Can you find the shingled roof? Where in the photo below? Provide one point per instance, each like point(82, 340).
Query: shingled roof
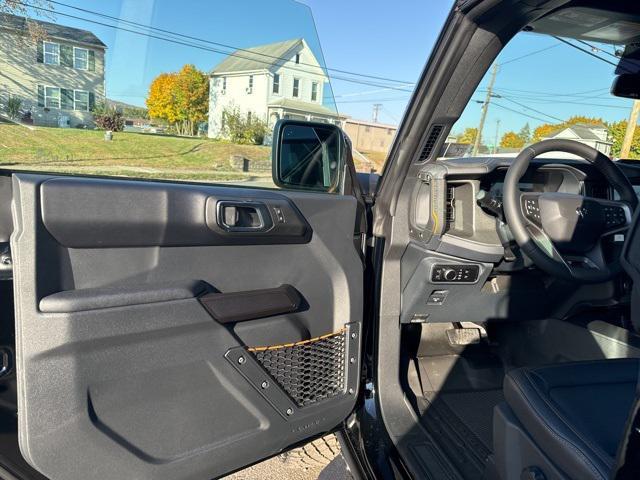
point(584, 132)
point(53, 30)
point(255, 58)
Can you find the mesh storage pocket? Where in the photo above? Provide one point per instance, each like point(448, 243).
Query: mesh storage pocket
point(309, 371)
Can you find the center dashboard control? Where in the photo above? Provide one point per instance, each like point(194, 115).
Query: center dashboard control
point(455, 273)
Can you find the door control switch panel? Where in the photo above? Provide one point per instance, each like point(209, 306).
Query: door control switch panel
point(455, 273)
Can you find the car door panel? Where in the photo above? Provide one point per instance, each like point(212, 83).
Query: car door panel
point(123, 373)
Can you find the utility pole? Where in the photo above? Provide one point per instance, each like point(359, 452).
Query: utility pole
point(631, 127)
point(485, 108)
point(376, 110)
point(495, 142)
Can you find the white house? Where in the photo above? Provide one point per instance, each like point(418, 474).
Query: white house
point(596, 136)
point(279, 80)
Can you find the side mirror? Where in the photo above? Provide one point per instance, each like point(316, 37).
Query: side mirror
point(309, 156)
point(626, 85)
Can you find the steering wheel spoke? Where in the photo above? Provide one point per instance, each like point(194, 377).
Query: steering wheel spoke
point(593, 260)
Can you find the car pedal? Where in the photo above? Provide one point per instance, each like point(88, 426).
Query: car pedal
point(464, 336)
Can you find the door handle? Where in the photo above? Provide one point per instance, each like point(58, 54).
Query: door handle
point(234, 216)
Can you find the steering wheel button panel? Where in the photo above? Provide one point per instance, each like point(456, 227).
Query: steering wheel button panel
point(614, 216)
point(532, 209)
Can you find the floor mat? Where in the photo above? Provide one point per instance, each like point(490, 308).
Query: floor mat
point(462, 424)
point(474, 409)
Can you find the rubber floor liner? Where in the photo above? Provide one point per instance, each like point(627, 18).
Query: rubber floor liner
point(475, 410)
point(462, 422)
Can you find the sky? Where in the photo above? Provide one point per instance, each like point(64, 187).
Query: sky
point(391, 41)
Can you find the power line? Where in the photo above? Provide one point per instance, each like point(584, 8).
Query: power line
point(181, 35)
point(532, 109)
point(209, 49)
point(593, 47)
point(520, 113)
point(369, 100)
point(390, 115)
point(549, 102)
point(585, 51)
point(502, 64)
point(553, 94)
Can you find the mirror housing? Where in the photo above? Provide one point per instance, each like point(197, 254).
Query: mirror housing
point(626, 85)
point(309, 156)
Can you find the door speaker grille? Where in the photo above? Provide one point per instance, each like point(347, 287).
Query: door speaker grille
point(309, 371)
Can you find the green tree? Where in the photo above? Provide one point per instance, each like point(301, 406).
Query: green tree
point(525, 133)
point(617, 132)
point(468, 136)
point(511, 140)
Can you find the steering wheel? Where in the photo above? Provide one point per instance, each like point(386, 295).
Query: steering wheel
point(562, 232)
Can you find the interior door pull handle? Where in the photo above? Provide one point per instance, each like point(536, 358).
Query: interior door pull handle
point(243, 216)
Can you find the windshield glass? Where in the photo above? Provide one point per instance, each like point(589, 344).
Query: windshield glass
point(192, 90)
point(542, 87)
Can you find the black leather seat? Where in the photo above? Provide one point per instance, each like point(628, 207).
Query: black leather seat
point(575, 412)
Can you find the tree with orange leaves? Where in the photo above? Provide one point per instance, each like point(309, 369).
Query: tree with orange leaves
point(181, 98)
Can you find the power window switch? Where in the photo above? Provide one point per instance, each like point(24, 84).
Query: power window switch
point(279, 215)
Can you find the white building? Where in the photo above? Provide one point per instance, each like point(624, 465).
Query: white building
point(279, 80)
point(596, 136)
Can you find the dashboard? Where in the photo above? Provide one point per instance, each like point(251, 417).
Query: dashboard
point(447, 217)
point(462, 255)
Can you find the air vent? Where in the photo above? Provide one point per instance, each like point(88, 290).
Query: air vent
point(599, 190)
point(450, 205)
point(432, 139)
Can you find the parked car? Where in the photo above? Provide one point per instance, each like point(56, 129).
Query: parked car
point(453, 318)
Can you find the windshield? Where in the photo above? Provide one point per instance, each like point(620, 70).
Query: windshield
point(192, 90)
point(542, 87)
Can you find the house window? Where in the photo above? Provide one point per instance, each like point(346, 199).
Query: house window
point(81, 100)
point(52, 97)
point(51, 53)
point(314, 91)
point(224, 84)
point(249, 116)
point(389, 131)
point(297, 58)
point(276, 83)
point(80, 58)
point(250, 88)
point(296, 87)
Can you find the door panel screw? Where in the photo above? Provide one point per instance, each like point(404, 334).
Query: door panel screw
point(352, 360)
point(353, 335)
point(289, 411)
point(265, 384)
point(240, 360)
point(351, 391)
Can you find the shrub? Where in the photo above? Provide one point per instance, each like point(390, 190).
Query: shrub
point(242, 128)
point(108, 118)
point(14, 104)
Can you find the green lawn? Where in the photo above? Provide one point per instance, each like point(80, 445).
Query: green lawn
point(128, 154)
point(69, 150)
